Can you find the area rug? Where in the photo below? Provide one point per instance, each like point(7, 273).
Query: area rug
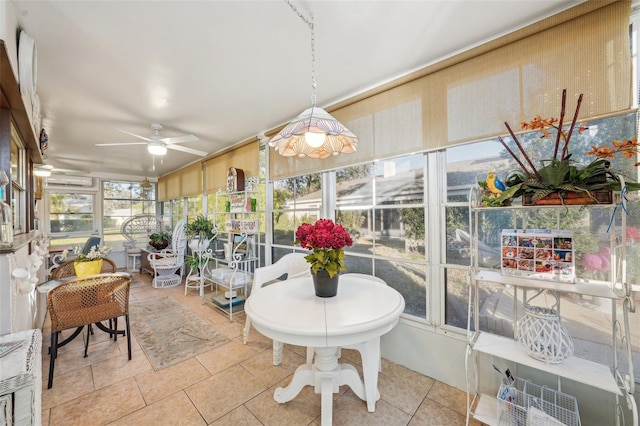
point(136, 281)
point(169, 333)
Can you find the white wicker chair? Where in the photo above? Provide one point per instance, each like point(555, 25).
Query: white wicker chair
point(136, 231)
point(168, 264)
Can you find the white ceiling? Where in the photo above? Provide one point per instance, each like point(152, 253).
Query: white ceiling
point(227, 70)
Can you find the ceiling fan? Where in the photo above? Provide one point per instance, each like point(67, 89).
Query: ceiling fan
point(157, 145)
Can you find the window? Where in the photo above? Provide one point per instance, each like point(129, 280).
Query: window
point(295, 200)
point(122, 200)
point(194, 206)
point(587, 319)
point(382, 206)
point(18, 185)
point(71, 218)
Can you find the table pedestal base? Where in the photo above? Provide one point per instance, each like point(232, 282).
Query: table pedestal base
point(326, 375)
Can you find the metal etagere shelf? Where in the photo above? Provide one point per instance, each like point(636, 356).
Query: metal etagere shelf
point(616, 291)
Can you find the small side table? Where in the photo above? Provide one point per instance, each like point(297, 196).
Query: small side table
point(21, 379)
point(133, 260)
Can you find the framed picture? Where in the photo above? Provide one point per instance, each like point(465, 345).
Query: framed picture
point(546, 254)
point(239, 243)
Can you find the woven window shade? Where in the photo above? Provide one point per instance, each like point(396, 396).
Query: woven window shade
point(244, 157)
point(185, 182)
point(469, 97)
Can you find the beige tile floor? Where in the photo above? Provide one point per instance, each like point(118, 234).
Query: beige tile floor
point(232, 384)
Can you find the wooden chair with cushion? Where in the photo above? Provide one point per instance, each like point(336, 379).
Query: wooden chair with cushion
point(86, 301)
point(66, 269)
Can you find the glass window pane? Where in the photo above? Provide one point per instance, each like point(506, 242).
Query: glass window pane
point(356, 222)
point(400, 180)
point(457, 235)
point(71, 212)
point(466, 164)
point(400, 233)
point(410, 280)
point(296, 200)
point(354, 186)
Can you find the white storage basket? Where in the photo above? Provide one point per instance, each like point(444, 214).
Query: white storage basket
point(542, 334)
point(525, 403)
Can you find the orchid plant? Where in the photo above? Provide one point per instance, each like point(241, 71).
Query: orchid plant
point(559, 173)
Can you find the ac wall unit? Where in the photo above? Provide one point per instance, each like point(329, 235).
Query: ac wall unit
point(65, 180)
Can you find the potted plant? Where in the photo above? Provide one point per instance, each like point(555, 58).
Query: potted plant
point(558, 179)
point(195, 262)
point(160, 240)
point(327, 241)
point(200, 231)
point(89, 263)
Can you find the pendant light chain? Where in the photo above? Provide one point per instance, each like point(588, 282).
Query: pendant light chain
point(314, 133)
point(309, 22)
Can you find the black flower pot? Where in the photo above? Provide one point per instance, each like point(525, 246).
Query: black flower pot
point(324, 285)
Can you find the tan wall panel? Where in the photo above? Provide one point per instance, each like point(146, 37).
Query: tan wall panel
point(244, 157)
point(510, 79)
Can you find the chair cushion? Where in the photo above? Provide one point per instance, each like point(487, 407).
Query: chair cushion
point(231, 277)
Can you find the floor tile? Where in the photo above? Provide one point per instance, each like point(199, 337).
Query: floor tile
point(302, 410)
point(239, 416)
point(449, 397)
point(225, 356)
point(430, 413)
point(119, 368)
point(262, 368)
point(156, 385)
point(223, 392)
point(67, 387)
point(176, 409)
point(71, 357)
point(229, 385)
point(402, 387)
point(349, 410)
point(100, 407)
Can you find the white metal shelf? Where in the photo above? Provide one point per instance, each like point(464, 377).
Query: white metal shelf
point(486, 411)
point(597, 375)
point(589, 288)
point(580, 370)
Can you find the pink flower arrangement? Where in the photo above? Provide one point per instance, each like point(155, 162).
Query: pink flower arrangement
point(327, 241)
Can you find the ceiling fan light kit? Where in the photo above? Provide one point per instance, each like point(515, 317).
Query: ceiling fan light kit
point(156, 148)
point(314, 133)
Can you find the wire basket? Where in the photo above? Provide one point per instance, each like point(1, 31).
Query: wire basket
point(525, 403)
point(542, 334)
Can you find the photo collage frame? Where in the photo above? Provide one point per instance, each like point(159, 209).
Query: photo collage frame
point(546, 254)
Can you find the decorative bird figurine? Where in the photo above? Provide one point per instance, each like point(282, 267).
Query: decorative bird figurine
point(494, 184)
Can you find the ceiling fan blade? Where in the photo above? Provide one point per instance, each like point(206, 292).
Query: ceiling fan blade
point(134, 135)
point(121, 143)
point(188, 150)
point(180, 139)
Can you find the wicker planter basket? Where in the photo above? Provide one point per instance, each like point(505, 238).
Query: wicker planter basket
point(600, 196)
point(542, 334)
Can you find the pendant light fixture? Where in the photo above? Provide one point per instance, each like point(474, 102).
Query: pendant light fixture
point(314, 133)
point(145, 184)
